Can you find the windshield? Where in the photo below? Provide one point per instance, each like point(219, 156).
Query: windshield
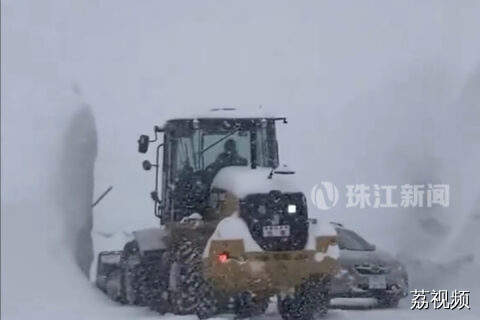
point(238, 145)
point(349, 240)
point(211, 148)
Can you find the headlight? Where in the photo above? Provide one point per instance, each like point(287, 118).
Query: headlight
point(292, 208)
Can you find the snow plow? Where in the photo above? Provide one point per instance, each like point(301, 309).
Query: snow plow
point(234, 229)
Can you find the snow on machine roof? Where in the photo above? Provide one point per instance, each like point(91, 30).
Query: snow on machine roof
point(230, 112)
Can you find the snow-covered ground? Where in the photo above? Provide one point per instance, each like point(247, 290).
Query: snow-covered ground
point(375, 92)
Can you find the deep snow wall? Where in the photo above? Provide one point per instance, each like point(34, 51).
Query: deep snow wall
point(75, 189)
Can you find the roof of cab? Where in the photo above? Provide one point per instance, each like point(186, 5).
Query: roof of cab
point(228, 113)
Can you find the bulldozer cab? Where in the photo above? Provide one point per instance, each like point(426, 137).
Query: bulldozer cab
point(195, 150)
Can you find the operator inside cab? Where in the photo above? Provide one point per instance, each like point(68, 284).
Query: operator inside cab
point(229, 157)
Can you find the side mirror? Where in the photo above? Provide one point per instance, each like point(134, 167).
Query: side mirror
point(146, 165)
point(143, 143)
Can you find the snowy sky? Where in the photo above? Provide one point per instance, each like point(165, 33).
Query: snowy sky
point(376, 92)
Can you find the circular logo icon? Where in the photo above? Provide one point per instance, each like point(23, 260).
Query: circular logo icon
point(324, 195)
